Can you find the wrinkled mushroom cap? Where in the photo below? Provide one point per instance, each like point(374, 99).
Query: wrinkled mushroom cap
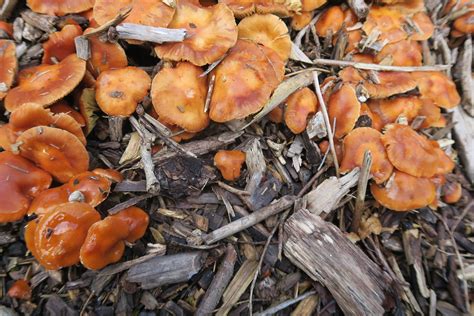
point(413, 153)
point(54, 150)
point(119, 91)
point(356, 143)
point(211, 31)
point(403, 53)
point(8, 65)
point(47, 84)
point(330, 22)
point(268, 30)
point(61, 44)
point(20, 289)
point(244, 81)
point(56, 237)
point(299, 106)
point(344, 107)
point(59, 7)
point(179, 94)
point(229, 163)
point(404, 192)
point(388, 110)
point(144, 12)
point(437, 87)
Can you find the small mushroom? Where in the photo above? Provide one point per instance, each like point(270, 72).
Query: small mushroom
point(59, 7)
point(229, 163)
point(119, 91)
point(344, 109)
point(388, 110)
point(424, 27)
point(404, 192)
point(452, 192)
point(211, 31)
point(179, 94)
point(60, 44)
point(431, 113)
point(300, 20)
point(387, 22)
point(245, 79)
point(105, 241)
point(46, 84)
point(299, 106)
point(20, 290)
point(330, 22)
point(55, 238)
point(9, 66)
point(437, 87)
point(356, 143)
point(277, 114)
point(402, 53)
point(63, 107)
point(54, 150)
point(413, 153)
point(268, 30)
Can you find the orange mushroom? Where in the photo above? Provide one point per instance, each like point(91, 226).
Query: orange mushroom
point(388, 110)
point(20, 182)
point(424, 27)
point(413, 153)
point(54, 150)
point(299, 106)
point(59, 7)
point(404, 192)
point(363, 58)
point(60, 44)
point(55, 238)
point(431, 113)
point(310, 5)
point(437, 87)
point(20, 290)
point(324, 147)
point(243, 8)
point(276, 115)
point(63, 107)
point(229, 163)
point(387, 22)
point(452, 192)
point(46, 84)
point(464, 24)
point(211, 31)
point(268, 30)
point(105, 241)
point(402, 53)
point(244, 81)
point(356, 143)
point(330, 22)
point(8, 66)
point(406, 6)
point(376, 121)
point(344, 109)
point(300, 20)
point(111, 174)
point(179, 94)
point(119, 91)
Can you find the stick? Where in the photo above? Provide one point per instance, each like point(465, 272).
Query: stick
point(119, 18)
point(250, 220)
point(115, 128)
point(130, 31)
point(366, 66)
point(326, 120)
point(219, 283)
point(361, 191)
point(273, 310)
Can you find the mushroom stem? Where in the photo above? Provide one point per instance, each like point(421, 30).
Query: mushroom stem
point(361, 190)
point(326, 120)
point(130, 31)
point(115, 128)
point(152, 183)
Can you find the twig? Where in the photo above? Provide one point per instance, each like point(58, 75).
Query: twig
point(322, 104)
point(130, 202)
point(273, 310)
point(210, 89)
point(130, 31)
point(366, 66)
point(463, 214)
point(361, 190)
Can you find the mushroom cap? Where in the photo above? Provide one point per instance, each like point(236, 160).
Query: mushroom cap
point(353, 39)
point(48, 199)
point(229, 163)
point(437, 87)
point(145, 12)
point(387, 21)
point(356, 143)
point(301, 20)
point(46, 84)
point(243, 8)
point(452, 192)
point(7, 137)
point(179, 94)
point(413, 153)
point(8, 64)
point(105, 55)
point(104, 243)
point(244, 81)
point(7, 28)
point(464, 23)
point(63, 107)
point(424, 27)
point(431, 112)
point(406, 6)
point(330, 22)
point(59, 7)
point(56, 237)
point(119, 91)
point(54, 150)
point(344, 107)
point(20, 182)
point(211, 31)
point(324, 146)
point(404, 192)
point(61, 44)
point(277, 114)
point(376, 120)
point(111, 174)
point(20, 289)
point(299, 106)
point(388, 110)
point(268, 30)
point(310, 5)
point(402, 53)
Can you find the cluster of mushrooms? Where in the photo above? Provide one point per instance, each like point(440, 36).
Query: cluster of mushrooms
point(45, 138)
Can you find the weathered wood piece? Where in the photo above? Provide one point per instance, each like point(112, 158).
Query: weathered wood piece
point(130, 31)
point(358, 284)
point(83, 50)
point(164, 270)
point(43, 22)
point(464, 136)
